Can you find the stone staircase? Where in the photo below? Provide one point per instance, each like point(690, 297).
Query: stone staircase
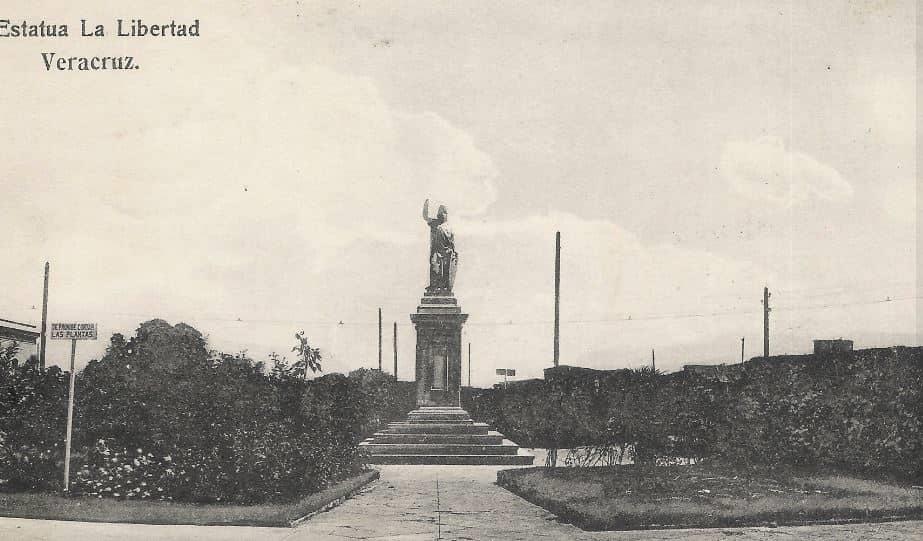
point(443, 435)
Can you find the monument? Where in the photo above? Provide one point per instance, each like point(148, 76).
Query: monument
point(439, 431)
point(438, 320)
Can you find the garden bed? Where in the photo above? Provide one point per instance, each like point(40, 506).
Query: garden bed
point(84, 509)
point(627, 498)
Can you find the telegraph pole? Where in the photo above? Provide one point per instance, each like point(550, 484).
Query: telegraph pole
point(395, 350)
point(653, 361)
point(469, 364)
point(557, 297)
point(379, 339)
point(41, 353)
point(766, 310)
point(742, 349)
point(70, 419)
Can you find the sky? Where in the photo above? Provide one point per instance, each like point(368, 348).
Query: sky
point(268, 176)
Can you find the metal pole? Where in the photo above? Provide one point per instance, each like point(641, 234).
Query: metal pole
point(41, 353)
point(765, 322)
point(469, 364)
point(557, 297)
point(395, 350)
point(379, 339)
point(70, 420)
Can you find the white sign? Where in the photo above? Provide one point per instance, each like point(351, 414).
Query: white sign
point(73, 331)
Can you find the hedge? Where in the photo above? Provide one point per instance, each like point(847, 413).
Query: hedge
point(161, 417)
point(858, 411)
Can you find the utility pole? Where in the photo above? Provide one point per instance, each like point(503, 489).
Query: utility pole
point(469, 364)
point(70, 419)
point(766, 310)
point(653, 361)
point(41, 353)
point(742, 348)
point(557, 297)
point(379, 339)
point(395, 350)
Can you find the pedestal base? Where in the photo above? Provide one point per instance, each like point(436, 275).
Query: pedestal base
point(438, 321)
point(443, 435)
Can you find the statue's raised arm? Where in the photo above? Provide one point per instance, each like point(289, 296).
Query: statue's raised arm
point(426, 210)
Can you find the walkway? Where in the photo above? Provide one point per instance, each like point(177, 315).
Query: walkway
point(402, 505)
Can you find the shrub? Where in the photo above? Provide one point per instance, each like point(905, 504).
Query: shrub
point(859, 411)
point(32, 422)
point(159, 416)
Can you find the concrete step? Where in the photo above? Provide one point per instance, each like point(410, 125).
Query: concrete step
point(437, 428)
point(491, 438)
point(460, 414)
point(506, 448)
point(440, 411)
point(521, 459)
point(438, 420)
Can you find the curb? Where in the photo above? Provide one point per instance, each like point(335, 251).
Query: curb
point(360, 487)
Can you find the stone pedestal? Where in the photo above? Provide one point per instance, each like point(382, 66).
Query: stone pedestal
point(438, 322)
point(439, 431)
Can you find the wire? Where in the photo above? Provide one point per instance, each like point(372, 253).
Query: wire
point(509, 323)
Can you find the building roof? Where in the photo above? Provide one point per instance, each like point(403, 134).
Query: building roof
point(20, 332)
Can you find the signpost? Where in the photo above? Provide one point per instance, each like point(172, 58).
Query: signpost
point(506, 372)
point(72, 332)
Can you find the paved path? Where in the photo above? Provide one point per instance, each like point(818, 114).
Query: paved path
point(402, 505)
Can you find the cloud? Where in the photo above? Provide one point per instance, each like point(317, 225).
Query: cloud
point(764, 170)
point(618, 294)
point(239, 201)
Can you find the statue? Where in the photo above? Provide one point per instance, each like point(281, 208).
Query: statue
point(443, 259)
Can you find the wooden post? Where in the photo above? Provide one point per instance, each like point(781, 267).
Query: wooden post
point(395, 350)
point(557, 297)
point(653, 361)
point(70, 420)
point(379, 339)
point(469, 364)
point(742, 348)
point(552, 458)
point(43, 340)
point(765, 322)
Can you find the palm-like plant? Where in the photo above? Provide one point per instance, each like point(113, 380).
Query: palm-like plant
point(308, 357)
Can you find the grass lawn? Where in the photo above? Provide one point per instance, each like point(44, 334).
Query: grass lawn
point(626, 498)
point(55, 507)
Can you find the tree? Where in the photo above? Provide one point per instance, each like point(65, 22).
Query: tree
point(308, 357)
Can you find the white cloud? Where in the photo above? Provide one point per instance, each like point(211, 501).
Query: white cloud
point(764, 170)
point(212, 208)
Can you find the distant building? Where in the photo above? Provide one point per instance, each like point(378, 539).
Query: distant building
point(832, 346)
point(22, 334)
